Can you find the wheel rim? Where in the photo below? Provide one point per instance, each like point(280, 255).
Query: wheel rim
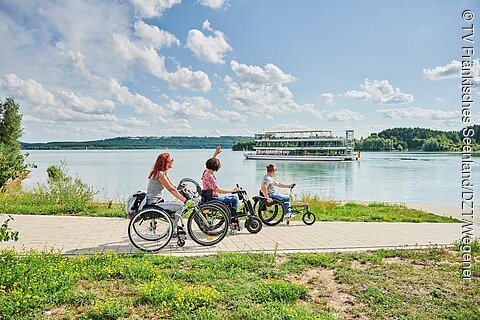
point(272, 213)
point(150, 230)
point(208, 225)
point(309, 218)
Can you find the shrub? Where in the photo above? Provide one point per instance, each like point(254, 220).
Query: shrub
point(62, 190)
point(5, 233)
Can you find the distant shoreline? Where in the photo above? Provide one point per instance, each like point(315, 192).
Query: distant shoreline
point(475, 153)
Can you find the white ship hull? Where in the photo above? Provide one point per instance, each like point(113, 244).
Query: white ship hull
point(253, 156)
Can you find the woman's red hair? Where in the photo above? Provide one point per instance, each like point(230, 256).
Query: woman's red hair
point(160, 165)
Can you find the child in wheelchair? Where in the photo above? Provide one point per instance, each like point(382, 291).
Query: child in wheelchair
point(213, 191)
point(268, 189)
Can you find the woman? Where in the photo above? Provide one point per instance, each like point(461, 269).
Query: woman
point(158, 180)
point(210, 183)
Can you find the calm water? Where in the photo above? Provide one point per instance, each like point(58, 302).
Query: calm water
point(403, 177)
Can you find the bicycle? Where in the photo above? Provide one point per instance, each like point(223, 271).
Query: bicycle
point(276, 213)
point(152, 227)
point(297, 206)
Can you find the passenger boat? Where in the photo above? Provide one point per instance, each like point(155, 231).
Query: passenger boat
point(304, 145)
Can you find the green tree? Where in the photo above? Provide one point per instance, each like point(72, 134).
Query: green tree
point(12, 162)
point(243, 145)
point(431, 144)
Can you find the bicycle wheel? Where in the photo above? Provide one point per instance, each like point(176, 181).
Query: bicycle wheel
point(271, 213)
point(309, 218)
point(207, 225)
point(150, 230)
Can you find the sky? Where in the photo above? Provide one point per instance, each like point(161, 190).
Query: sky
point(95, 69)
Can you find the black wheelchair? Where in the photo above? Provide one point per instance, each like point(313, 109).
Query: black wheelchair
point(272, 213)
point(252, 223)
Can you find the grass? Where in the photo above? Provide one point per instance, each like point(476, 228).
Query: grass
point(384, 284)
point(18, 202)
point(31, 203)
point(373, 212)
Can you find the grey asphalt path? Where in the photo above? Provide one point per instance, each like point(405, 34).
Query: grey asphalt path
point(87, 235)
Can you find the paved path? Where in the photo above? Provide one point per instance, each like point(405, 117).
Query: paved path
point(85, 235)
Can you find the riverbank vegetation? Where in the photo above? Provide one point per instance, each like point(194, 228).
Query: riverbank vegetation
point(383, 284)
point(417, 139)
point(66, 195)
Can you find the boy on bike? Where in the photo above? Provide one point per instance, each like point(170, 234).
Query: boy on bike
point(268, 190)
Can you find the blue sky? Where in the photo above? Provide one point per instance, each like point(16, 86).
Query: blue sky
point(96, 69)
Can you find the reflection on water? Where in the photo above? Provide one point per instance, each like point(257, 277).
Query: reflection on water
point(405, 177)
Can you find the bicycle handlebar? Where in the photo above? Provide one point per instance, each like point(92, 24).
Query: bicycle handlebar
point(293, 185)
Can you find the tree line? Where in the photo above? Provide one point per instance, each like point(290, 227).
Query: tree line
point(174, 142)
point(421, 139)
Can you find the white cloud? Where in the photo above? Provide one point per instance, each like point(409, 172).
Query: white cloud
point(379, 91)
point(326, 98)
point(40, 103)
point(208, 48)
point(253, 76)
point(345, 115)
point(232, 116)
point(207, 26)
point(84, 104)
point(453, 70)
point(155, 63)
point(133, 122)
point(260, 91)
point(448, 71)
point(30, 89)
point(192, 107)
point(417, 112)
point(214, 4)
point(153, 8)
point(267, 100)
point(141, 104)
point(154, 36)
point(291, 126)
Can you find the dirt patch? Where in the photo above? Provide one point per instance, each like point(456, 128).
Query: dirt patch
point(55, 312)
point(358, 265)
point(413, 262)
point(323, 289)
point(280, 259)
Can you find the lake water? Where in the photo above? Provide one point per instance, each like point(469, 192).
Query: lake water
point(386, 176)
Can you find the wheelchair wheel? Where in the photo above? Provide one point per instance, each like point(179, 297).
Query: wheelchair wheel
point(208, 225)
point(271, 213)
point(189, 188)
point(253, 224)
point(222, 206)
point(309, 218)
point(216, 229)
point(150, 230)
